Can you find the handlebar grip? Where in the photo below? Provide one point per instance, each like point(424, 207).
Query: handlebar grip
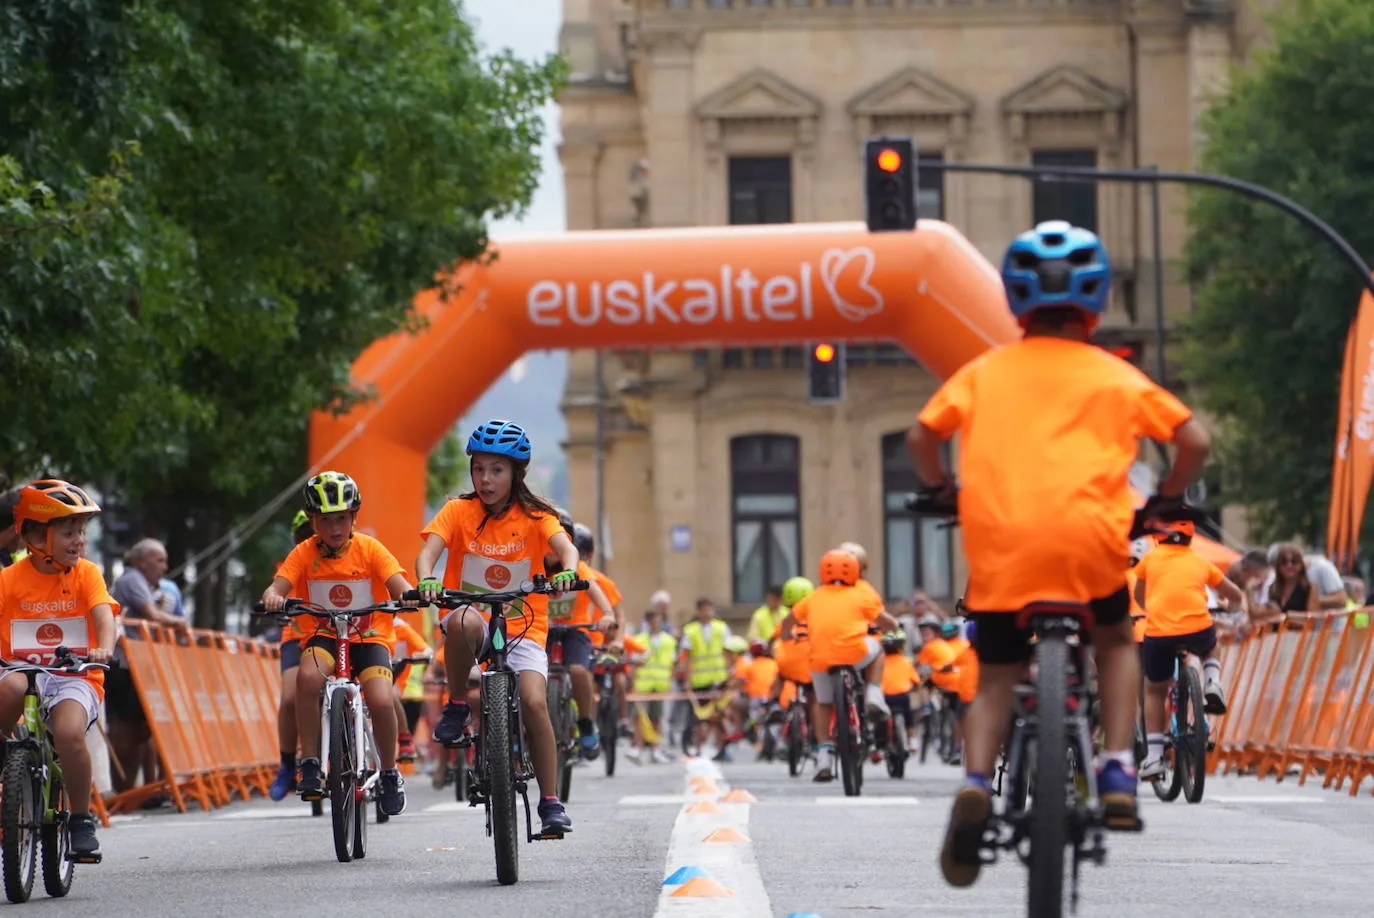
point(259, 608)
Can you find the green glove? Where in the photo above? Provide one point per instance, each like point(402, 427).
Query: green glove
point(430, 585)
point(563, 579)
point(1361, 620)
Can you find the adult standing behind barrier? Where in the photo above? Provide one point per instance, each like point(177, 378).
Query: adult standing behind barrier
point(11, 546)
point(130, 738)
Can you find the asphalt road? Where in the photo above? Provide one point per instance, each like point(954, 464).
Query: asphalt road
point(802, 849)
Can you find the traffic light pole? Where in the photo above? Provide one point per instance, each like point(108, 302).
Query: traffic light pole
point(1155, 176)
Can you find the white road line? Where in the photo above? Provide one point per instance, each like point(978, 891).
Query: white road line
point(654, 800)
point(866, 801)
point(731, 864)
point(1261, 799)
point(452, 806)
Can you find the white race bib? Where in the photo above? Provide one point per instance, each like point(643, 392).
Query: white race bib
point(341, 594)
point(488, 575)
point(35, 640)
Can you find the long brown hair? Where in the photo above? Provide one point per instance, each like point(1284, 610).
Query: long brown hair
point(1276, 588)
point(520, 494)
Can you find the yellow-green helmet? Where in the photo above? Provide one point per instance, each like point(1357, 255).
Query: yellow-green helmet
point(795, 590)
point(737, 644)
point(332, 492)
point(299, 520)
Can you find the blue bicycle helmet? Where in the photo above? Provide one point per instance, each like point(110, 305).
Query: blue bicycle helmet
point(500, 438)
point(1056, 264)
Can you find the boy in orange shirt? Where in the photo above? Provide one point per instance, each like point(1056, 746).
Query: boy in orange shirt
point(343, 569)
point(1049, 428)
point(837, 616)
point(56, 597)
point(899, 679)
point(1171, 584)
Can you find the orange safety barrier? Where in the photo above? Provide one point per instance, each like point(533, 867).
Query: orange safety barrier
point(211, 704)
point(1301, 701)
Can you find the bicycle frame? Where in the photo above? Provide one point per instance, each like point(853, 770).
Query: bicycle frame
point(340, 682)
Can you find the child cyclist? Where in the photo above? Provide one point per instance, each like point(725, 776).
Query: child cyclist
point(837, 616)
point(291, 636)
point(51, 598)
point(496, 534)
point(1171, 584)
point(343, 569)
point(1049, 427)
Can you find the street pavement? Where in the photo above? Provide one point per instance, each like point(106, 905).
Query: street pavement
point(1251, 847)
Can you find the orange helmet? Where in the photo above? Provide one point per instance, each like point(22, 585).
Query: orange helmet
point(50, 499)
point(841, 566)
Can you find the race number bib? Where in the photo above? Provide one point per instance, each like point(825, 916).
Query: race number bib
point(488, 575)
point(341, 594)
point(36, 640)
point(561, 610)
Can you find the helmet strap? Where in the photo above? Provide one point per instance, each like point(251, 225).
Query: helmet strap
point(327, 552)
point(46, 553)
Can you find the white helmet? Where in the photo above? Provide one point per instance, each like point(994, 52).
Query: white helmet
point(1140, 548)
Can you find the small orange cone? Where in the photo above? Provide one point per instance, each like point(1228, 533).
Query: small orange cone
point(698, 781)
point(739, 795)
point(702, 887)
point(706, 789)
point(704, 806)
point(726, 834)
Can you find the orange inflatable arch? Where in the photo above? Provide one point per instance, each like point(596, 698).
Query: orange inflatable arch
point(930, 290)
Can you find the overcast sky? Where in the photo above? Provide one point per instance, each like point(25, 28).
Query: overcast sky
point(530, 29)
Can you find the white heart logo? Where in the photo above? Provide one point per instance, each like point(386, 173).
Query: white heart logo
point(860, 299)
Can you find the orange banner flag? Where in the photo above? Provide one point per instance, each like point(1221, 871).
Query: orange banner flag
point(1353, 462)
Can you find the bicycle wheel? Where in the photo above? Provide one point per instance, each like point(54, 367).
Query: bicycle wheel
point(57, 870)
point(19, 822)
point(1192, 735)
point(1049, 821)
point(460, 777)
point(343, 804)
point(608, 727)
point(846, 737)
point(796, 738)
point(316, 807)
point(927, 734)
point(499, 767)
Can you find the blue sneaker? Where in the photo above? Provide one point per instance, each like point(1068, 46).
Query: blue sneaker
point(1117, 785)
point(284, 783)
point(553, 817)
point(591, 746)
point(454, 722)
point(391, 796)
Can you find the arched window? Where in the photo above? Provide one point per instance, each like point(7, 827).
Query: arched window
point(765, 512)
point(917, 553)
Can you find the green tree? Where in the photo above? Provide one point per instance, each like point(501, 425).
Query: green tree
point(1273, 301)
point(447, 473)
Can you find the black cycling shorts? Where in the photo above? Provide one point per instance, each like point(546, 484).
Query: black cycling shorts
point(1157, 654)
point(998, 642)
point(361, 657)
point(290, 653)
point(902, 711)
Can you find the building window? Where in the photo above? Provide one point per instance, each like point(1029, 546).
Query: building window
point(1059, 200)
point(930, 189)
point(917, 553)
point(760, 189)
point(765, 511)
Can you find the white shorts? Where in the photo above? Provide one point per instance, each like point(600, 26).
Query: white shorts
point(522, 655)
point(825, 685)
point(53, 689)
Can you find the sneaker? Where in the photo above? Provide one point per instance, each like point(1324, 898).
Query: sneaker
point(1213, 698)
point(825, 759)
point(391, 796)
point(81, 835)
point(1116, 786)
point(553, 817)
point(284, 783)
point(877, 704)
point(591, 746)
point(723, 756)
point(311, 783)
point(634, 755)
point(406, 749)
point(453, 724)
point(1152, 769)
point(662, 757)
point(961, 854)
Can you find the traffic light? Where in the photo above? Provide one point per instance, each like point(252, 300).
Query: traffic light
point(1129, 352)
point(890, 184)
point(825, 373)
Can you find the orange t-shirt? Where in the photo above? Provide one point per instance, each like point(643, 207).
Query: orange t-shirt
point(899, 675)
point(1137, 613)
point(741, 672)
point(613, 599)
point(966, 681)
point(408, 642)
point(500, 557)
point(40, 612)
point(762, 676)
point(575, 608)
point(794, 659)
point(356, 579)
point(937, 654)
point(1176, 580)
point(1048, 431)
point(837, 619)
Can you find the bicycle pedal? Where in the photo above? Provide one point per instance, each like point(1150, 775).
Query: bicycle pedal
point(85, 858)
point(548, 836)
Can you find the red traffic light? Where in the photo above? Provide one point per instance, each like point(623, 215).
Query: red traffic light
point(1125, 351)
point(825, 352)
point(889, 160)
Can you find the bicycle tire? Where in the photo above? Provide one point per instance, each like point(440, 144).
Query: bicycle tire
point(609, 729)
point(1049, 812)
point(927, 734)
point(57, 870)
point(19, 822)
point(342, 782)
point(1168, 785)
point(559, 694)
point(460, 776)
point(796, 739)
point(846, 742)
point(360, 827)
point(316, 807)
point(499, 766)
point(1192, 734)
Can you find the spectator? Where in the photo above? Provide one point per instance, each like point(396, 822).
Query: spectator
point(662, 603)
point(1322, 575)
point(1252, 573)
point(1290, 591)
point(169, 598)
point(767, 617)
point(1355, 589)
point(11, 548)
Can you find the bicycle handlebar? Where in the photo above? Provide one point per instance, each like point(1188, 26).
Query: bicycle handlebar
point(408, 661)
point(540, 585)
point(297, 607)
point(72, 664)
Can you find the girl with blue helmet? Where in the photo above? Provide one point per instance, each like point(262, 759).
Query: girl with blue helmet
point(497, 535)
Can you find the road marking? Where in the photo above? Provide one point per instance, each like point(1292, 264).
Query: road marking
point(731, 865)
point(1261, 799)
point(452, 806)
point(655, 800)
point(265, 814)
point(866, 801)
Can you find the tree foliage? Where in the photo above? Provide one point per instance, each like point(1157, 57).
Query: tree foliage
point(207, 210)
point(1273, 300)
point(447, 473)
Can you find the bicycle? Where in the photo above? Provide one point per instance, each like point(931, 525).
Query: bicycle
point(352, 766)
point(1187, 738)
point(1044, 752)
point(853, 735)
point(796, 731)
point(563, 709)
point(33, 815)
point(895, 751)
point(503, 767)
point(605, 668)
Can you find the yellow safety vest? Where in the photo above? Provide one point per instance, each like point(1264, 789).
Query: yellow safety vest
point(656, 673)
point(706, 653)
point(764, 624)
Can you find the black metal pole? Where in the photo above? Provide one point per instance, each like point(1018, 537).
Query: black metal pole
point(1159, 280)
point(1083, 174)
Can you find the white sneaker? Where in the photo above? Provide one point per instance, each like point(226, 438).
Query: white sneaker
point(1213, 698)
point(873, 694)
point(661, 757)
point(1151, 769)
point(634, 756)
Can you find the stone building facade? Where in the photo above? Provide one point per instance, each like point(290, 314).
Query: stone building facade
point(719, 476)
